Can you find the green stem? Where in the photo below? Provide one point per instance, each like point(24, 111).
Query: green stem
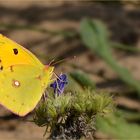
point(125, 47)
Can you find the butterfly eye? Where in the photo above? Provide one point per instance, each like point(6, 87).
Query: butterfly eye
point(15, 51)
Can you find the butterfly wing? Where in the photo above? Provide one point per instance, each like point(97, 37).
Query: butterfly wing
point(12, 53)
point(21, 87)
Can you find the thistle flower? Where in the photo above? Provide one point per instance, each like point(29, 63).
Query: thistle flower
point(59, 84)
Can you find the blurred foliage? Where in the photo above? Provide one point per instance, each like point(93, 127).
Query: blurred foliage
point(83, 79)
point(117, 127)
point(72, 85)
point(125, 47)
point(95, 36)
point(130, 116)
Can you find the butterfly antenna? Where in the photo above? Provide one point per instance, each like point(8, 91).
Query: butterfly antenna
point(51, 62)
point(62, 60)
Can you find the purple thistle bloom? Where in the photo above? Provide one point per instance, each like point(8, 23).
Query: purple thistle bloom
point(59, 84)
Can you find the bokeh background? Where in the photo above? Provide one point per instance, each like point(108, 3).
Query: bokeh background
point(50, 29)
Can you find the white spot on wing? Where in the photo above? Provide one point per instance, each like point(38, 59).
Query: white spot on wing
point(16, 83)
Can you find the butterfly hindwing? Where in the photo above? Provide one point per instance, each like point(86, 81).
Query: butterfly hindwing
point(21, 87)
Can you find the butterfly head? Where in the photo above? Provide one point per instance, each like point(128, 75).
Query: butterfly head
point(49, 68)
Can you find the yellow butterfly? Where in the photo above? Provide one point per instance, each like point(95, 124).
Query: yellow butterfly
point(23, 78)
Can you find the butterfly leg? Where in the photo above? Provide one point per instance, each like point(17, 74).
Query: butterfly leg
point(58, 91)
point(45, 95)
point(58, 77)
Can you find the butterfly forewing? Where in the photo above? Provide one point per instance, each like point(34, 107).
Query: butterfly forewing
point(12, 53)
